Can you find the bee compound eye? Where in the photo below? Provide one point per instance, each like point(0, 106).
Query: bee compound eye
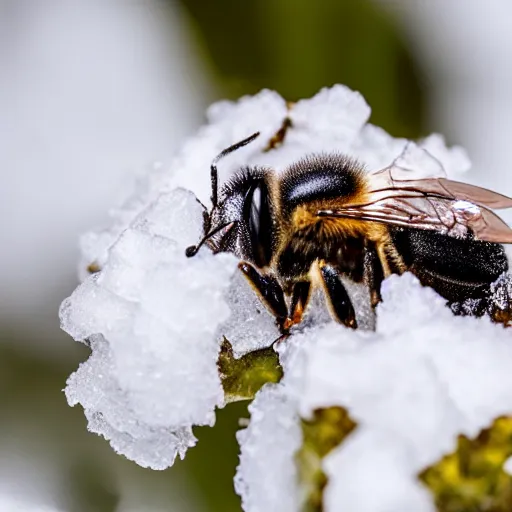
point(258, 218)
point(254, 217)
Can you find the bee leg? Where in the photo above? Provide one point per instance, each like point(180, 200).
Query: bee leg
point(373, 274)
point(300, 298)
point(501, 316)
point(268, 289)
point(281, 339)
point(390, 259)
point(499, 303)
point(337, 296)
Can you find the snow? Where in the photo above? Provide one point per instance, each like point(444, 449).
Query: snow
point(373, 473)
point(267, 476)
point(250, 326)
point(413, 378)
point(313, 119)
point(412, 386)
point(152, 315)
point(433, 376)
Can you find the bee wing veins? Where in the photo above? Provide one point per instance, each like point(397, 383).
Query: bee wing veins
point(442, 205)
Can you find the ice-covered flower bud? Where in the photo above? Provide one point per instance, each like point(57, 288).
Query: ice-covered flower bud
point(347, 420)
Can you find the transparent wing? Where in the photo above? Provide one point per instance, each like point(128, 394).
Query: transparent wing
point(449, 207)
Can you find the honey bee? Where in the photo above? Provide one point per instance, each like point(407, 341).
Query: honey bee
point(325, 217)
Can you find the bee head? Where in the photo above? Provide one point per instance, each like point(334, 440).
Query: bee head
point(240, 221)
point(244, 216)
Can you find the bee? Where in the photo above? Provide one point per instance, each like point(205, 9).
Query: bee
point(325, 217)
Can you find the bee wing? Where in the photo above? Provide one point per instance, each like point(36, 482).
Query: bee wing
point(438, 204)
point(383, 181)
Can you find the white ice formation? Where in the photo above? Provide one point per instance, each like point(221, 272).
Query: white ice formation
point(421, 379)
point(151, 317)
point(154, 320)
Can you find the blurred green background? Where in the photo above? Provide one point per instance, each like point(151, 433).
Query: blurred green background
point(295, 47)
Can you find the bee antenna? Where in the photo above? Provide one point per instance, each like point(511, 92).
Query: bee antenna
point(220, 156)
point(194, 249)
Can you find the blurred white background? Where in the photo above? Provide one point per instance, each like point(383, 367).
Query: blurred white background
point(92, 91)
point(465, 50)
